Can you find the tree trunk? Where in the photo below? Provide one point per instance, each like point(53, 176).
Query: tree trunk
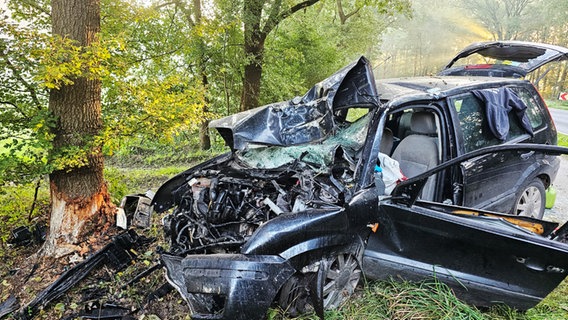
point(255, 36)
point(204, 137)
point(252, 77)
point(80, 204)
point(254, 50)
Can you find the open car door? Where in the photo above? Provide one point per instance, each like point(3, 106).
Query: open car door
point(486, 257)
point(514, 59)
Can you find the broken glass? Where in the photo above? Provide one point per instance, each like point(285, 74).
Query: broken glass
point(318, 155)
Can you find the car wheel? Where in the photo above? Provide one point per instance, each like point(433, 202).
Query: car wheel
point(341, 279)
point(295, 295)
point(530, 202)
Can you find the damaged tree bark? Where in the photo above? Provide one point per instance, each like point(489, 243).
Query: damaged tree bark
point(80, 202)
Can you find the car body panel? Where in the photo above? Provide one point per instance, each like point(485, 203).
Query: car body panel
point(485, 263)
point(234, 286)
point(482, 255)
point(508, 58)
point(303, 119)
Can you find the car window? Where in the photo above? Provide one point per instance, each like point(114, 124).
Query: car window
point(354, 114)
point(474, 126)
point(533, 110)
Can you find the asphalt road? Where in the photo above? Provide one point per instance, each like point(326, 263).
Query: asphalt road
point(559, 213)
point(560, 118)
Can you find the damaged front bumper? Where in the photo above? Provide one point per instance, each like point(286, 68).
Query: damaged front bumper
point(228, 286)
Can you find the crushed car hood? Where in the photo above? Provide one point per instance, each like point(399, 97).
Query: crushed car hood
point(504, 58)
point(302, 119)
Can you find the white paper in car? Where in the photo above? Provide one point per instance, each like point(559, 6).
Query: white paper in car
point(391, 172)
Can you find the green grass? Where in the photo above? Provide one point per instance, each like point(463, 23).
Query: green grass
point(431, 300)
point(16, 207)
point(562, 140)
point(557, 104)
point(407, 300)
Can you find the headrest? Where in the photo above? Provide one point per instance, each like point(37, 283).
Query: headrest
point(386, 141)
point(423, 123)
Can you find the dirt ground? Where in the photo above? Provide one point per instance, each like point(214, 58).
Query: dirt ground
point(559, 213)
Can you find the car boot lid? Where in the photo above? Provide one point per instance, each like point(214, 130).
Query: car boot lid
point(513, 58)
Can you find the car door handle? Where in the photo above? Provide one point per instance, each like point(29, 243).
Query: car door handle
point(531, 264)
point(526, 156)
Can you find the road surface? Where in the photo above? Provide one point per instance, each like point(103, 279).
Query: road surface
point(560, 118)
point(559, 213)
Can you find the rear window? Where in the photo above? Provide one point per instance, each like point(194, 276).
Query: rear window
point(474, 127)
point(534, 112)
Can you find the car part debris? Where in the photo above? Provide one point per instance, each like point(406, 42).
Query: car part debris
point(135, 210)
point(10, 305)
point(23, 235)
point(117, 254)
point(106, 311)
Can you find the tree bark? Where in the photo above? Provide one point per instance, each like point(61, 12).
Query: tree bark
point(253, 48)
point(80, 203)
point(204, 137)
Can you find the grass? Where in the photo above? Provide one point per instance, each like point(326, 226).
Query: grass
point(557, 104)
point(562, 140)
point(407, 300)
point(431, 300)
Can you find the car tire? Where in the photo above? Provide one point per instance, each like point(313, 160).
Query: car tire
point(341, 278)
point(531, 200)
point(294, 296)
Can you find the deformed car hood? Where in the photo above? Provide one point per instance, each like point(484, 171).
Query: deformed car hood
point(302, 119)
point(509, 58)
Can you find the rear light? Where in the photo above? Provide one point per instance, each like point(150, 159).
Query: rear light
point(479, 66)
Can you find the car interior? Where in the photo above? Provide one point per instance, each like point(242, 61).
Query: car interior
point(412, 138)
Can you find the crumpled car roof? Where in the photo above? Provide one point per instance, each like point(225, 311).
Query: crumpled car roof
point(302, 119)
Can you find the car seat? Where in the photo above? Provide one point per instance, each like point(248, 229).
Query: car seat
point(418, 152)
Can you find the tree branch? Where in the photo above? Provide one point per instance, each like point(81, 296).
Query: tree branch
point(271, 23)
point(34, 5)
point(342, 16)
point(17, 108)
point(29, 87)
point(178, 5)
point(186, 12)
point(272, 17)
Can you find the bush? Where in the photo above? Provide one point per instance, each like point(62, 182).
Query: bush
point(17, 201)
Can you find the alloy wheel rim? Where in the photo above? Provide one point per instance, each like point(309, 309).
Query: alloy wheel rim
point(341, 280)
point(530, 202)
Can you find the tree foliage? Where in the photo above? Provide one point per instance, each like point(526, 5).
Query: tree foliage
point(165, 68)
point(425, 43)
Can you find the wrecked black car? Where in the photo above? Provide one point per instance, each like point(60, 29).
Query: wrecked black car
point(407, 177)
point(283, 222)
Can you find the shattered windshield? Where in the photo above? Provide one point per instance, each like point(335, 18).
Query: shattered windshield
point(319, 155)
